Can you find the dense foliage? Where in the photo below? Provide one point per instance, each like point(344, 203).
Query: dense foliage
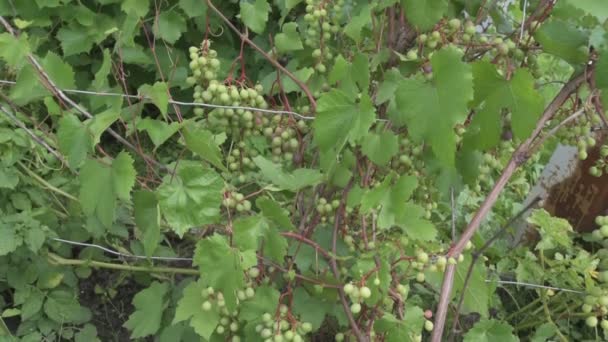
point(290, 170)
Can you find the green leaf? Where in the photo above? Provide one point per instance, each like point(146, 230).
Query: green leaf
point(14, 50)
point(402, 330)
point(96, 197)
point(275, 245)
point(255, 15)
point(298, 179)
point(10, 240)
point(159, 94)
point(123, 176)
point(74, 140)
point(424, 14)
point(340, 120)
point(137, 7)
point(101, 122)
point(59, 71)
point(310, 308)
point(554, 231)
point(431, 110)
point(563, 39)
point(266, 299)
point(358, 22)
point(193, 8)
point(380, 147)
point(190, 198)
point(149, 306)
point(222, 267)
point(490, 330)
point(63, 308)
point(202, 142)
point(494, 93)
point(101, 185)
point(74, 40)
point(273, 212)
point(247, 232)
point(477, 293)
point(189, 308)
point(288, 39)
point(170, 26)
point(387, 88)
point(596, 8)
point(544, 332)
point(34, 238)
point(158, 131)
point(88, 333)
point(9, 178)
point(147, 217)
point(101, 76)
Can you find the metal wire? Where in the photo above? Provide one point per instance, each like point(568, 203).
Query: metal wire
point(509, 282)
point(180, 103)
point(107, 250)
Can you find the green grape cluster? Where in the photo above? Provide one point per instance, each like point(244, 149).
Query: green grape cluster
point(283, 328)
point(203, 64)
point(322, 18)
point(601, 165)
point(579, 133)
point(357, 295)
point(236, 200)
point(283, 139)
point(327, 209)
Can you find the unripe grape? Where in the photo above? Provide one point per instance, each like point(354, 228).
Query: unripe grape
point(428, 325)
point(454, 23)
point(355, 308)
point(435, 35)
point(306, 327)
point(348, 288)
point(604, 324)
point(316, 53)
point(604, 230)
point(422, 257)
point(321, 68)
point(220, 329)
point(340, 337)
point(266, 317)
point(365, 292)
point(591, 321)
point(254, 272)
point(376, 281)
point(586, 308)
point(452, 261)
point(249, 292)
point(411, 55)
point(206, 306)
point(420, 277)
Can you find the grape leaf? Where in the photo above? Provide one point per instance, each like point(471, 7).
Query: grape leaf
point(340, 119)
point(424, 14)
point(9, 178)
point(193, 8)
point(255, 15)
point(147, 218)
point(101, 122)
point(101, 76)
point(247, 232)
point(74, 139)
point(554, 231)
point(431, 110)
point(288, 39)
point(490, 330)
point(189, 308)
point(358, 22)
point(273, 212)
point(14, 50)
point(62, 307)
point(494, 93)
point(380, 147)
point(137, 7)
point(192, 197)
point(275, 245)
point(158, 131)
point(202, 142)
point(74, 40)
point(266, 300)
point(101, 185)
point(149, 307)
point(159, 94)
point(222, 267)
point(563, 39)
point(299, 178)
point(10, 240)
point(596, 8)
point(169, 26)
point(403, 330)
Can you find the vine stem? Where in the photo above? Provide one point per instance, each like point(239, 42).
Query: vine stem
point(274, 62)
point(45, 183)
point(518, 158)
point(58, 260)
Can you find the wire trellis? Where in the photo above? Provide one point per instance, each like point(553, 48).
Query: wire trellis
point(180, 103)
point(134, 256)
